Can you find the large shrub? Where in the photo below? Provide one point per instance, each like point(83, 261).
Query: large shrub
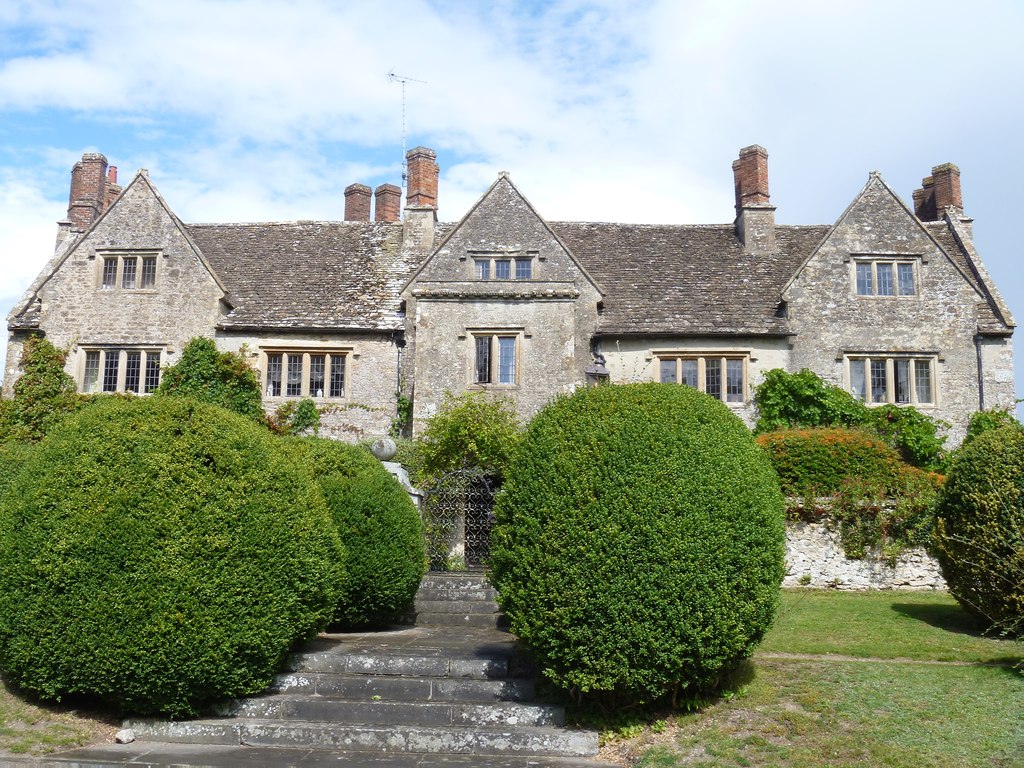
point(43, 394)
point(379, 526)
point(159, 554)
point(980, 528)
point(878, 499)
point(219, 378)
point(639, 541)
point(470, 430)
point(794, 400)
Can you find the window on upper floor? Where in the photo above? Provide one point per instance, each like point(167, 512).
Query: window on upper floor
point(884, 277)
point(316, 373)
point(896, 379)
point(495, 358)
point(503, 267)
point(721, 376)
point(111, 369)
point(129, 271)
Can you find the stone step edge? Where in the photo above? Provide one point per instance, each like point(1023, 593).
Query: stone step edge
point(541, 741)
point(447, 666)
point(380, 712)
point(437, 596)
point(345, 686)
point(456, 606)
point(473, 620)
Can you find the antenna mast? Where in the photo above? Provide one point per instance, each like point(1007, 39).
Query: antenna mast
point(393, 78)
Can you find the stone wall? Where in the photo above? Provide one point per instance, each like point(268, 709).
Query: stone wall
point(814, 551)
point(368, 407)
point(633, 359)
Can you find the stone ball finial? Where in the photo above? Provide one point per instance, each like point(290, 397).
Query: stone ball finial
point(384, 448)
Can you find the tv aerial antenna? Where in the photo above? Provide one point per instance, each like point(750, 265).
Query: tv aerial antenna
point(393, 78)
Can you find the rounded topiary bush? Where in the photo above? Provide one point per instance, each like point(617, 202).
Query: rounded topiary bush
point(379, 526)
point(980, 528)
point(639, 541)
point(160, 554)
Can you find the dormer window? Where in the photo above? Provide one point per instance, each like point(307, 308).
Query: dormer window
point(884, 277)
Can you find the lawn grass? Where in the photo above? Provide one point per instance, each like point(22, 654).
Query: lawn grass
point(883, 707)
point(808, 714)
point(29, 729)
point(885, 625)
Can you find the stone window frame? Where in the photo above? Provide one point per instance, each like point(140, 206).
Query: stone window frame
point(145, 266)
point(484, 265)
point(304, 355)
point(888, 364)
point(114, 375)
point(895, 261)
point(494, 368)
point(700, 371)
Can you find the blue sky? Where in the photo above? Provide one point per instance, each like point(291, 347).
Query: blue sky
point(253, 110)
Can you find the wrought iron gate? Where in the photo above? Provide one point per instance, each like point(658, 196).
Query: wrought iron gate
point(457, 519)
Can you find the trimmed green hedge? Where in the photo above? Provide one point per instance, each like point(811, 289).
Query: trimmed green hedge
point(820, 462)
point(980, 528)
point(878, 499)
point(639, 542)
point(379, 526)
point(160, 554)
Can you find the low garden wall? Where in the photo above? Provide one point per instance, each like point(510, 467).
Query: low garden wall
point(815, 558)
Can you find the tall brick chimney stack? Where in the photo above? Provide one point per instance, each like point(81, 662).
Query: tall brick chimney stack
point(88, 191)
point(93, 188)
point(420, 200)
point(423, 173)
point(357, 202)
point(387, 203)
point(755, 215)
point(938, 192)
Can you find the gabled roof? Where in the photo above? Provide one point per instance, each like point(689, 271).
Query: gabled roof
point(687, 279)
point(25, 314)
point(950, 239)
point(315, 275)
point(504, 187)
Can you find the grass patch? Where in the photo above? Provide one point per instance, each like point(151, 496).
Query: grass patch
point(841, 713)
point(29, 729)
point(805, 714)
point(927, 626)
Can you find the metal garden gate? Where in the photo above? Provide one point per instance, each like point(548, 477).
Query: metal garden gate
point(457, 519)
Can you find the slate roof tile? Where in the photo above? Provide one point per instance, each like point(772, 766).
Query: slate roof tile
point(687, 279)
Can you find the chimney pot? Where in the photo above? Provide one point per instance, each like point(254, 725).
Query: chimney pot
point(88, 196)
point(423, 172)
point(357, 202)
point(387, 203)
point(755, 215)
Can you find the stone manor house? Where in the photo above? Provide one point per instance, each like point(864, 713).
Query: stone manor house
point(891, 302)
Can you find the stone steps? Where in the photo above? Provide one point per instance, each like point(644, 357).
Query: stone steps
point(458, 599)
point(361, 687)
point(444, 687)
